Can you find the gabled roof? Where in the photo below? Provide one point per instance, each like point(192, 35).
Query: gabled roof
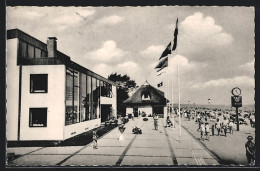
point(156, 96)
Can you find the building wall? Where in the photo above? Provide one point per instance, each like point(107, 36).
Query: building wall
point(54, 100)
point(78, 128)
point(12, 89)
point(113, 100)
point(147, 109)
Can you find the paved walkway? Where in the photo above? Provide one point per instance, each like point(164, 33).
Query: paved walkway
point(154, 148)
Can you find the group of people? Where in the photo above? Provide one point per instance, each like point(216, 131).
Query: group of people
point(220, 126)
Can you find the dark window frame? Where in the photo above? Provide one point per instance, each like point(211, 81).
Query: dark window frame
point(30, 117)
point(45, 91)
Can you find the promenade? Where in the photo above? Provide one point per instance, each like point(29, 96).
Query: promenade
point(162, 147)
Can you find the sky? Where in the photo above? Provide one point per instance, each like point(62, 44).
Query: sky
point(215, 45)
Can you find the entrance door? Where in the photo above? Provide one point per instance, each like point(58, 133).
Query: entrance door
point(105, 112)
point(135, 110)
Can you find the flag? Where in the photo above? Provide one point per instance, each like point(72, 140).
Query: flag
point(175, 36)
point(161, 73)
point(160, 84)
point(162, 64)
point(166, 51)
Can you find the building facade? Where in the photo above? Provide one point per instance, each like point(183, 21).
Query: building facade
point(148, 100)
point(50, 97)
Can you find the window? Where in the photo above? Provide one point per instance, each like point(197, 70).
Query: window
point(106, 89)
point(38, 117)
point(37, 53)
point(146, 96)
point(23, 49)
point(38, 83)
point(30, 51)
point(83, 92)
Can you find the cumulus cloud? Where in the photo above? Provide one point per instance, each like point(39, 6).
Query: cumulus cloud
point(198, 32)
point(184, 64)
point(111, 20)
point(103, 69)
point(153, 50)
point(109, 52)
point(236, 81)
point(249, 67)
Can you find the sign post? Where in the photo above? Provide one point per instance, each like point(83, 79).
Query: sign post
point(236, 101)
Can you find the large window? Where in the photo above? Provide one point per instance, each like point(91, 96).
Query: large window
point(38, 83)
point(89, 98)
point(29, 51)
point(72, 97)
point(83, 93)
point(38, 117)
point(82, 97)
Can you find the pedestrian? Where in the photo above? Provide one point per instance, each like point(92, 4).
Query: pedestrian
point(206, 129)
point(199, 122)
point(155, 118)
point(95, 139)
point(168, 122)
point(230, 125)
point(250, 150)
point(224, 126)
point(212, 129)
point(217, 125)
point(202, 130)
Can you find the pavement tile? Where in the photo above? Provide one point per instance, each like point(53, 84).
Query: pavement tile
point(150, 143)
point(21, 150)
point(186, 153)
point(136, 160)
point(39, 160)
point(59, 150)
point(91, 160)
point(186, 161)
point(113, 142)
point(103, 150)
point(148, 152)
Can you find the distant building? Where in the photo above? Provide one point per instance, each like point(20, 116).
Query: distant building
point(146, 99)
point(50, 97)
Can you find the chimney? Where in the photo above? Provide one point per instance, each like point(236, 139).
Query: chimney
point(52, 46)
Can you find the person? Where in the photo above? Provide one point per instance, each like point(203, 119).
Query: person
point(224, 126)
point(168, 122)
point(202, 130)
point(230, 125)
point(133, 117)
point(250, 150)
point(212, 129)
point(199, 122)
point(217, 125)
point(206, 129)
point(94, 139)
point(155, 121)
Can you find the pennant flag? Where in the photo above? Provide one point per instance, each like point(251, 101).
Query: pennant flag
point(175, 36)
point(166, 51)
point(160, 84)
point(162, 64)
point(161, 73)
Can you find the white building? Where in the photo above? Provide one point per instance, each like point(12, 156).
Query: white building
point(148, 100)
point(50, 97)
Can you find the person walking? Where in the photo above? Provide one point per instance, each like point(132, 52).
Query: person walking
point(95, 139)
point(224, 126)
point(202, 130)
point(250, 150)
point(217, 125)
point(155, 118)
point(199, 122)
point(206, 129)
point(230, 125)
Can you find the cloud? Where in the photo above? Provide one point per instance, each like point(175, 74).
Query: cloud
point(184, 64)
point(86, 13)
point(68, 19)
point(153, 50)
point(128, 65)
point(249, 67)
point(236, 81)
point(111, 20)
point(103, 69)
point(198, 32)
point(109, 52)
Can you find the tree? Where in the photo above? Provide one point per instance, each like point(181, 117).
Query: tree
point(124, 86)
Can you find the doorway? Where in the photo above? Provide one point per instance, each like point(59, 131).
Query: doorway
point(105, 112)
